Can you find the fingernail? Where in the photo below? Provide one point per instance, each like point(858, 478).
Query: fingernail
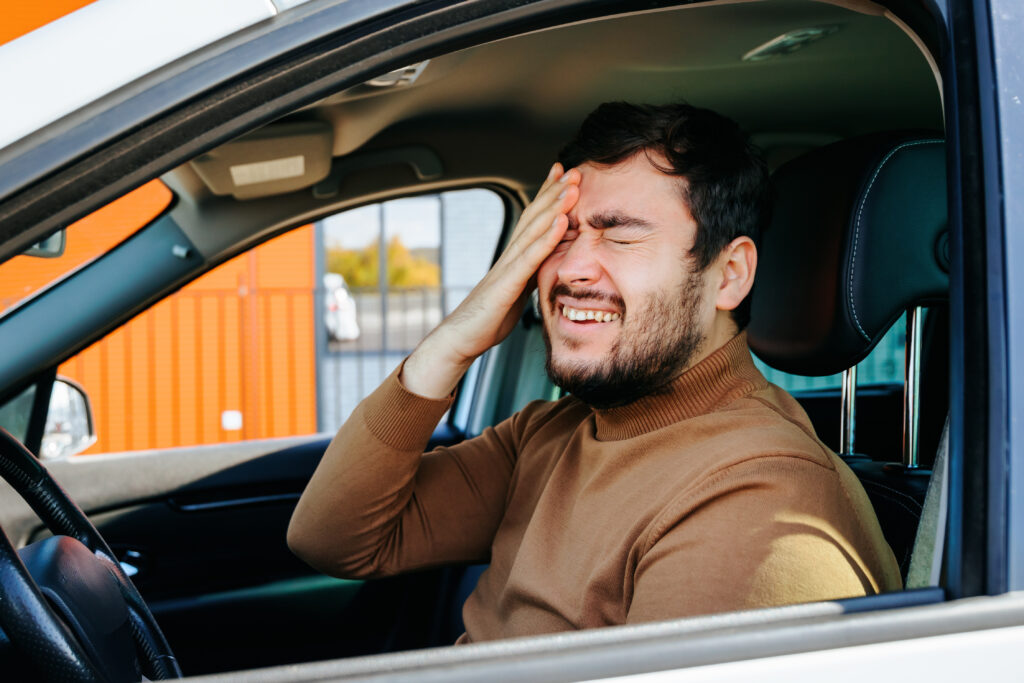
point(565, 176)
point(554, 223)
point(563, 193)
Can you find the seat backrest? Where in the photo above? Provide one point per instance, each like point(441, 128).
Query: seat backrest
point(858, 236)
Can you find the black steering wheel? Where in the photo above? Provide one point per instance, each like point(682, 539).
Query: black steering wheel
point(66, 605)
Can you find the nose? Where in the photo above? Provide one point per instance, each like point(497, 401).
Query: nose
point(579, 264)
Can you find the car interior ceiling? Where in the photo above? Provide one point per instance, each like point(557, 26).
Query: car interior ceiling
point(496, 114)
point(520, 98)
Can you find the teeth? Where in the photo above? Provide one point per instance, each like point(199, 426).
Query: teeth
point(598, 316)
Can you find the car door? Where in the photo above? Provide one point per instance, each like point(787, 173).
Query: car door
point(982, 558)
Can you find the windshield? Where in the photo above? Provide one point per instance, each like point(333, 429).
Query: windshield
point(22, 277)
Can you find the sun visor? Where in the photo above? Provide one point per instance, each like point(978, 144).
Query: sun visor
point(278, 158)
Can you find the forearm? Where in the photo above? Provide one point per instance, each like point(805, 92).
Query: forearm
point(378, 505)
point(372, 482)
point(364, 482)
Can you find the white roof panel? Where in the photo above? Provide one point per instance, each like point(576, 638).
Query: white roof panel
point(65, 65)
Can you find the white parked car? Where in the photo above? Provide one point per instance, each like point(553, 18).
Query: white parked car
point(340, 317)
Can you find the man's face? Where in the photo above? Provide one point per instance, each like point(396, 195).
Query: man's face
point(623, 311)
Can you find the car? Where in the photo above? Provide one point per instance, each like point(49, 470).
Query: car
point(339, 309)
point(176, 146)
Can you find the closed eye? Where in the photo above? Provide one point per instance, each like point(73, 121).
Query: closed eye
point(625, 234)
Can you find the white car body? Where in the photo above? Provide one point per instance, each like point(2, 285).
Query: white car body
point(116, 43)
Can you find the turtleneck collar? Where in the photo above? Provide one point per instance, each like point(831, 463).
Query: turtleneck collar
point(725, 375)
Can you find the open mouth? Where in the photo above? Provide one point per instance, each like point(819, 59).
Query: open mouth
point(588, 315)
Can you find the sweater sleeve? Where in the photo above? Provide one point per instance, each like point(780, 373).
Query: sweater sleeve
point(769, 531)
point(378, 505)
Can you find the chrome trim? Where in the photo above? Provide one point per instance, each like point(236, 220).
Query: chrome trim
point(848, 412)
point(912, 387)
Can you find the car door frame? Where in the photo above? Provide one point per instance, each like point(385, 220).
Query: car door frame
point(1000, 120)
point(169, 124)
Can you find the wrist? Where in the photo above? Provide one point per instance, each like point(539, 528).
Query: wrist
point(432, 370)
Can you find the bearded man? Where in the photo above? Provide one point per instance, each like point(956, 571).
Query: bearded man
point(673, 480)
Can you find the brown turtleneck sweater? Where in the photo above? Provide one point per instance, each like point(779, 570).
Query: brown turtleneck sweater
point(712, 496)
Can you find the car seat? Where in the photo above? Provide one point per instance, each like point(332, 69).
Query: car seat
point(858, 237)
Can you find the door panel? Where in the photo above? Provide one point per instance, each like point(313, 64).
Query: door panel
point(205, 528)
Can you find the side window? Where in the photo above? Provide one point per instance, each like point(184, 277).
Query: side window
point(22, 277)
point(433, 248)
point(287, 338)
point(884, 365)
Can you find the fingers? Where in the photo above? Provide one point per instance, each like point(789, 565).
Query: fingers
point(550, 211)
point(554, 174)
point(553, 185)
point(555, 198)
point(539, 238)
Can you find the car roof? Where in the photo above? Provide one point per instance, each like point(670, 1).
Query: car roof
point(68, 63)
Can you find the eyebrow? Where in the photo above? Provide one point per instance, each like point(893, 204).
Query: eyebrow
point(611, 219)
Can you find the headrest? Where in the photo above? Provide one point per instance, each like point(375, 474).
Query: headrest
point(858, 235)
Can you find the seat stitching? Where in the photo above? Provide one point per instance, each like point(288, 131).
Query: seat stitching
point(892, 489)
point(856, 229)
point(883, 489)
point(915, 513)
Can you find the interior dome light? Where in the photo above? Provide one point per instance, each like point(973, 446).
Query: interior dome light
point(404, 76)
point(789, 42)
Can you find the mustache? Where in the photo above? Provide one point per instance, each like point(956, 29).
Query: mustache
point(563, 289)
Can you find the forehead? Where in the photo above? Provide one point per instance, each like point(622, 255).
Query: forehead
point(632, 187)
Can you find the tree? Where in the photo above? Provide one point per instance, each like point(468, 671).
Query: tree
point(405, 269)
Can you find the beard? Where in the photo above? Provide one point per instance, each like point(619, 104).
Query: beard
point(653, 347)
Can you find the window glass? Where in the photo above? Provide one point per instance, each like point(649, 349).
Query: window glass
point(15, 414)
point(21, 277)
point(883, 365)
point(287, 338)
point(434, 249)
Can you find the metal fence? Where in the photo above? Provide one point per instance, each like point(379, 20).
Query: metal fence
point(390, 326)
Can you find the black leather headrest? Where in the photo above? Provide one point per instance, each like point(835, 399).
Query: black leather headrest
point(858, 235)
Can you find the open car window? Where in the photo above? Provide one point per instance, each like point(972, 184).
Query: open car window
point(287, 338)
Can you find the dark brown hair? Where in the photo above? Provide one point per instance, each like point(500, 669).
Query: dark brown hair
point(727, 188)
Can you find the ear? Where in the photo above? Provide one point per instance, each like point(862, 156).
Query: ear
point(736, 265)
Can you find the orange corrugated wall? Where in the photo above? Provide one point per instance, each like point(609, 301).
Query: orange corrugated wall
point(240, 338)
point(87, 238)
point(21, 17)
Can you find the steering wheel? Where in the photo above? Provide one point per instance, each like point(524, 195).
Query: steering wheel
point(65, 602)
